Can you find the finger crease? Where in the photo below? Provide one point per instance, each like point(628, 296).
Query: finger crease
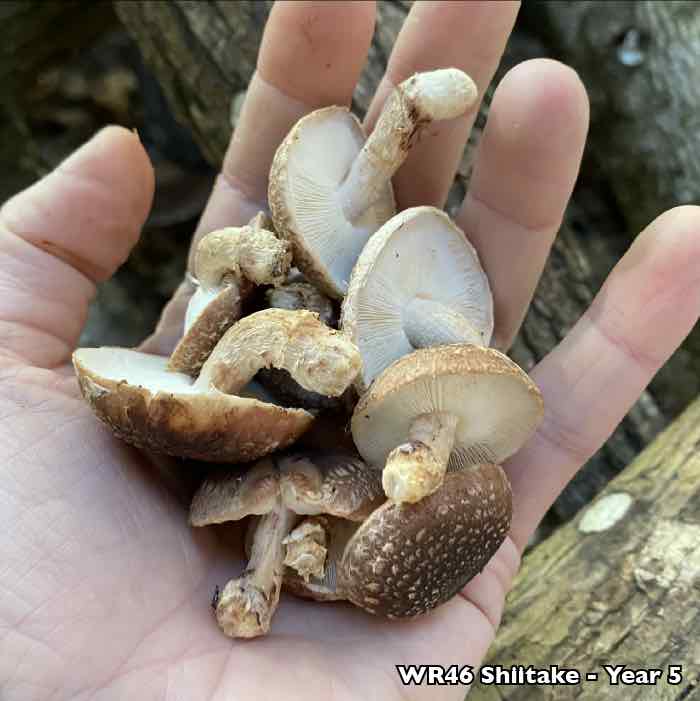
point(240, 187)
point(536, 229)
point(565, 438)
point(646, 362)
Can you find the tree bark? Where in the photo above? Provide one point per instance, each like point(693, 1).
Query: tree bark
point(36, 34)
point(204, 55)
point(618, 585)
point(641, 64)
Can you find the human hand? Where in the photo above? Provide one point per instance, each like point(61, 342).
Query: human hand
point(103, 586)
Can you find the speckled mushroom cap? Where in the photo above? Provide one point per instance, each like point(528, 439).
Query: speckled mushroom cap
point(307, 171)
point(408, 559)
point(418, 257)
point(151, 407)
point(330, 483)
point(497, 405)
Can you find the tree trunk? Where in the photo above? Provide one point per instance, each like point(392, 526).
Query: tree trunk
point(36, 34)
point(618, 585)
point(641, 64)
point(204, 54)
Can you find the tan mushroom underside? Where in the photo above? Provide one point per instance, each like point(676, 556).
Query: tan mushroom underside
point(171, 419)
point(497, 404)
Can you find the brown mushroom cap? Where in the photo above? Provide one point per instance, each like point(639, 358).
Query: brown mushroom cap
point(330, 483)
point(220, 311)
point(152, 408)
point(497, 405)
point(407, 559)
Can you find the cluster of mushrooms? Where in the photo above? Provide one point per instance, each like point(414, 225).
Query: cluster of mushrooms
point(399, 518)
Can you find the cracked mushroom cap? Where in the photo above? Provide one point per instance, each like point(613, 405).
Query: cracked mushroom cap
point(417, 283)
point(330, 483)
point(307, 172)
point(497, 405)
point(149, 406)
point(407, 559)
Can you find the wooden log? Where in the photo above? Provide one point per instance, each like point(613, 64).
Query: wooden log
point(620, 584)
point(641, 63)
point(35, 34)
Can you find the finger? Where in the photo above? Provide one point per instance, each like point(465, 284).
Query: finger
point(528, 160)
point(62, 235)
point(467, 35)
point(311, 56)
point(647, 306)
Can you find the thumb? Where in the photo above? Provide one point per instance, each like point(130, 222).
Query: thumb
point(61, 236)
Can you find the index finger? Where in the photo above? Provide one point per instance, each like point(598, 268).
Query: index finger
point(311, 55)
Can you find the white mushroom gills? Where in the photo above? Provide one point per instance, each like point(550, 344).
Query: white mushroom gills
point(417, 468)
point(419, 100)
point(247, 604)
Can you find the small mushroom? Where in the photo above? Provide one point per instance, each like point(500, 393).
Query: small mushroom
point(417, 283)
point(323, 585)
point(406, 559)
point(228, 264)
point(455, 406)
point(278, 492)
point(302, 295)
point(330, 185)
point(168, 412)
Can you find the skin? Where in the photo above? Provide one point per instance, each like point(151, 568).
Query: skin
point(104, 590)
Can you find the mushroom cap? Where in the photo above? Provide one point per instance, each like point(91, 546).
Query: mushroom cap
point(306, 174)
point(150, 407)
point(418, 254)
point(213, 312)
point(330, 483)
point(497, 405)
point(233, 496)
point(406, 559)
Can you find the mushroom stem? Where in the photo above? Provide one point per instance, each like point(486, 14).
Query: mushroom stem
point(306, 549)
point(428, 323)
point(317, 357)
point(237, 256)
point(416, 469)
point(419, 100)
point(247, 604)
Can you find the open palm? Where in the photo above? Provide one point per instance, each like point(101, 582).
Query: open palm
point(104, 588)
